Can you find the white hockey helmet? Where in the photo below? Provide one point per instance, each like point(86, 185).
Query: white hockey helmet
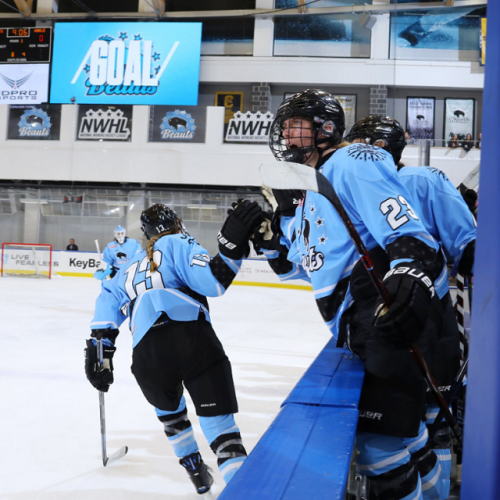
point(120, 234)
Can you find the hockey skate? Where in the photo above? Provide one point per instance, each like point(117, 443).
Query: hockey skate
point(198, 472)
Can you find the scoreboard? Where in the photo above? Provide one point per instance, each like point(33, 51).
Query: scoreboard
point(25, 45)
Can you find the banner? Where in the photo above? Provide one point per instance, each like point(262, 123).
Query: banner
point(24, 83)
point(458, 118)
point(104, 123)
point(126, 63)
point(482, 42)
point(40, 123)
point(186, 124)
point(249, 127)
point(420, 118)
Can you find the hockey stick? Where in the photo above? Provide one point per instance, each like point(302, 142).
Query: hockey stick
point(122, 451)
point(285, 175)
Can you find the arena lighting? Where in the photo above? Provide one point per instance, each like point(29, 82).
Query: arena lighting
point(116, 203)
point(203, 207)
point(34, 202)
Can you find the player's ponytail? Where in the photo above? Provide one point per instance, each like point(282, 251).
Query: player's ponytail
point(153, 267)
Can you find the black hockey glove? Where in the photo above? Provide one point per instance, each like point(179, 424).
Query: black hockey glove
point(237, 229)
point(100, 377)
point(288, 200)
point(467, 261)
point(411, 289)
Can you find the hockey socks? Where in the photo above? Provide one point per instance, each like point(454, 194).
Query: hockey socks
point(179, 433)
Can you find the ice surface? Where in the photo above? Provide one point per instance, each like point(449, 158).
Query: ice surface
point(49, 418)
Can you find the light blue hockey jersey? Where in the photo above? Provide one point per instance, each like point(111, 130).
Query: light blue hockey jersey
point(116, 255)
point(379, 205)
point(442, 209)
point(182, 262)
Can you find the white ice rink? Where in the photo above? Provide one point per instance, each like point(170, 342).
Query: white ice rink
point(49, 419)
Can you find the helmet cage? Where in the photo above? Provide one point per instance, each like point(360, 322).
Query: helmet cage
point(159, 219)
point(326, 120)
point(120, 234)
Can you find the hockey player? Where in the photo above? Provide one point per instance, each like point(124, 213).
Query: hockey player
point(308, 129)
point(163, 292)
point(117, 253)
point(447, 217)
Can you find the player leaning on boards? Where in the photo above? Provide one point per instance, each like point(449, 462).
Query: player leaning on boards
point(447, 217)
point(117, 253)
point(163, 292)
point(308, 129)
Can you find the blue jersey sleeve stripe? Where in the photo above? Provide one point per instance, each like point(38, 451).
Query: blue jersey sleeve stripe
point(104, 324)
point(233, 264)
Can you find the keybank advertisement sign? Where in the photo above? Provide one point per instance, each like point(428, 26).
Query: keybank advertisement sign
point(126, 63)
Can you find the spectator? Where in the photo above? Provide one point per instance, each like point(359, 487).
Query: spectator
point(454, 142)
point(468, 144)
point(72, 245)
point(478, 143)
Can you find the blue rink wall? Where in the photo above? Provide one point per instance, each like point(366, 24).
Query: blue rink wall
point(306, 452)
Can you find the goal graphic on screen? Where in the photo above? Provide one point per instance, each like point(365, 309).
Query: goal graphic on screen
point(30, 260)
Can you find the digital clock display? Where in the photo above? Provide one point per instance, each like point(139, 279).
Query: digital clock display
point(25, 45)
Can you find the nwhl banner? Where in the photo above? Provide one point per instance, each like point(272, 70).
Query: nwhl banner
point(458, 118)
point(249, 127)
point(126, 63)
point(104, 123)
point(420, 117)
point(24, 83)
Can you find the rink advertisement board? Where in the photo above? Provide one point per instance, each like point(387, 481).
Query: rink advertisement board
point(34, 123)
point(126, 63)
point(420, 117)
point(24, 83)
point(458, 118)
point(104, 123)
point(177, 124)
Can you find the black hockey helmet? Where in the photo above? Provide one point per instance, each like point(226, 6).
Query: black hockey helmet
point(385, 129)
point(159, 219)
point(327, 119)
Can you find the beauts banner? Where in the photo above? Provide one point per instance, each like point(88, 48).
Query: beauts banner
point(458, 118)
point(420, 117)
point(41, 122)
point(126, 63)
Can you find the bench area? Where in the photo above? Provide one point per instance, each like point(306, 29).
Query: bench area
point(306, 452)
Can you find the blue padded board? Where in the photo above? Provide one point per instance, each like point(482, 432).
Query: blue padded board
point(334, 379)
point(304, 454)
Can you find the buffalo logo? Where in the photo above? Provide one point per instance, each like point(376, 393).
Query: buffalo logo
point(420, 117)
point(458, 113)
point(178, 125)
point(34, 123)
point(366, 152)
point(312, 260)
point(121, 255)
point(177, 122)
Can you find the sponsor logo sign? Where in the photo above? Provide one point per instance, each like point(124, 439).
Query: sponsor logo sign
point(40, 122)
point(126, 63)
point(249, 127)
point(186, 124)
point(24, 83)
point(104, 123)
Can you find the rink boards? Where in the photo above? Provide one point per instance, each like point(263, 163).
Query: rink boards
point(253, 272)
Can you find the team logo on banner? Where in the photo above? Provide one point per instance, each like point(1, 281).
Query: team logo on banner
point(34, 123)
point(104, 124)
point(126, 63)
point(177, 125)
point(249, 127)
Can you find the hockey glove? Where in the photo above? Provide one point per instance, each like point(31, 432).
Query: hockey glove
point(240, 224)
point(100, 377)
point(102, 274)
point(466, 264)
point(411, 289)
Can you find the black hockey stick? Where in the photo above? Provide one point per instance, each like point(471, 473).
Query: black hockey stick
point(123, 450)
point(286, 175)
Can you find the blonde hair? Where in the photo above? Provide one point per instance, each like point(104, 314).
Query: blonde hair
point(153, 266)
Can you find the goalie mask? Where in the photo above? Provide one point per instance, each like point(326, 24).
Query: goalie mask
point(159, 219)
point(320, 121)
point(382, 131)
point(120, 234)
